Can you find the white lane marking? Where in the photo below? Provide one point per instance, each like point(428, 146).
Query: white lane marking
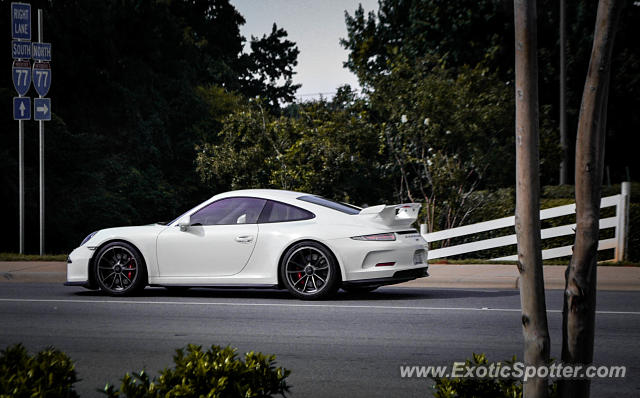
point(227, 304)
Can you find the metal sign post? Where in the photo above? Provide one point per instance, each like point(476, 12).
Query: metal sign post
point(21, 35)
point(41, 54)
point(41, 149)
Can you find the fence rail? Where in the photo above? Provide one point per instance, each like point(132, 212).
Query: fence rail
point(618, 242)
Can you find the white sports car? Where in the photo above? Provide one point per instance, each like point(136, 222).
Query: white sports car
point(258, 238)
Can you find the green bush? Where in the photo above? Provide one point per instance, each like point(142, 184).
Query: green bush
point(50, 373)
point(214, 373)
point(482, 387)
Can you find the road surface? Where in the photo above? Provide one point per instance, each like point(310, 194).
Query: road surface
point(351, 346)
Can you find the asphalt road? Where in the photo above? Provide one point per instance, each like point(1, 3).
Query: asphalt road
point(351, 346)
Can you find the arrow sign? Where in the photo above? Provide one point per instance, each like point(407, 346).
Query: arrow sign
point(42, 77)
point(42, 108)
point(21, 76)
point(21, 21)
point(21, 108)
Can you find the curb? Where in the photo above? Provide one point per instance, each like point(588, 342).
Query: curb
point(34, 277)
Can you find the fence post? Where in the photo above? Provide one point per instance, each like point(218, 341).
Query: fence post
point(423, 232)
point(622, 215)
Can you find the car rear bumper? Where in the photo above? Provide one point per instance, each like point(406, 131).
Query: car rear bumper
point(397, 277)
point(383, 262)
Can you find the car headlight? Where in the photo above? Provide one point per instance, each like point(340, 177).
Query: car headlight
point(88, 237)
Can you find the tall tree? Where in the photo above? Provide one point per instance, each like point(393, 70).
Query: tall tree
point(138, 83)
point(534, 315)
point(270, 68)
point(468, 32)
point(414, 28)
point(329, 148)
point(445, 131)
point(581, 275)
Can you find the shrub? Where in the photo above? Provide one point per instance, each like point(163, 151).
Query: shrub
point(214, 373)
point(50, 373)
point(481, 387)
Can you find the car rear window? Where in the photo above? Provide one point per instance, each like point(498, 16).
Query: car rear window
point(280, 212)
point(341, 207)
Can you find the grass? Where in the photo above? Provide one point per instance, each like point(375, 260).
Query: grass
point(32, 257)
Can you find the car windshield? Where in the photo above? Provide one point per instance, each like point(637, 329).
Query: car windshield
point(341, 207)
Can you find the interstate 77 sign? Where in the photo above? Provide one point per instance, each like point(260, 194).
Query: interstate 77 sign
point(21, 72)
point(42, 77)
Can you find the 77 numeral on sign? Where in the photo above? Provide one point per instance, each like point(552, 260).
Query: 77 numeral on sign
point(23, 75)
point(40, 74)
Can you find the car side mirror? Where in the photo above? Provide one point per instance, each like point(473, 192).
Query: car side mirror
point(184, 223)
point(242, 219)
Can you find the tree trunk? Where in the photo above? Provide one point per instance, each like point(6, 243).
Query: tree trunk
point(580, 287)
point(534, 316)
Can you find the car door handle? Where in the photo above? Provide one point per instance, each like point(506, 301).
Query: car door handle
point(244, 238)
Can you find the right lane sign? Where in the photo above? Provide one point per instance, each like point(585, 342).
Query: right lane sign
point(21, 21)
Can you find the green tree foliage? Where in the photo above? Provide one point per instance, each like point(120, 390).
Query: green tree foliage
point(271, 61)
point(465, 31)
point(446, 132)
point(50, 373)
point(217, 372)
point(136, 85)
point(328, 148)
point(469, 32)
point(425, 133)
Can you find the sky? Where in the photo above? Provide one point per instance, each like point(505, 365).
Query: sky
point(316, 26)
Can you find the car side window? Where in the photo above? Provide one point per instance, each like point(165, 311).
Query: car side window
point(229, 211)
point(280, 212)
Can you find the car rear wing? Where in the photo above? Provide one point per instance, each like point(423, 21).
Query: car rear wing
point(394, 215)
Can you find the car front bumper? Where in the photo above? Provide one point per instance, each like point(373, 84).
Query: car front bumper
point(78, 267)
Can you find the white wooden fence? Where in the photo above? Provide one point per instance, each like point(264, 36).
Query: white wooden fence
point(618, 242)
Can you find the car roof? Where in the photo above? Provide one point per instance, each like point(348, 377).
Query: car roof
point(275, 194)
point(279, 195)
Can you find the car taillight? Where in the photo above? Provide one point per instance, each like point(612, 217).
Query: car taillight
point(376, 237)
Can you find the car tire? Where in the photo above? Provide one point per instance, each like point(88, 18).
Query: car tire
point(119, 269)
point(359, 289)
point(309, 271)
